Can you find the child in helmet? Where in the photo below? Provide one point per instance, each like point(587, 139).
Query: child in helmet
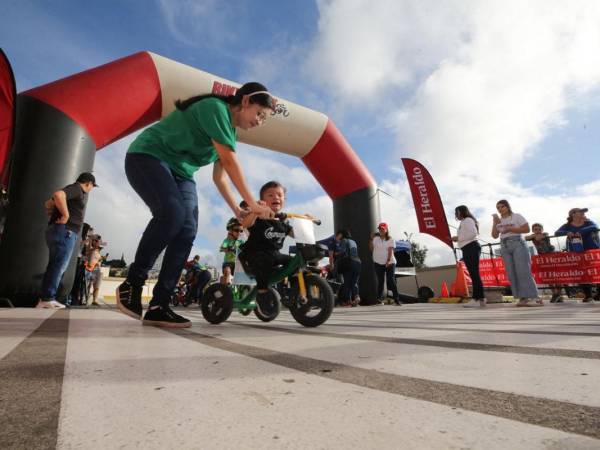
point(230, 247)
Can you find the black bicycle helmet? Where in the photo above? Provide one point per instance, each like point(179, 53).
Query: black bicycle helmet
point(233, 222)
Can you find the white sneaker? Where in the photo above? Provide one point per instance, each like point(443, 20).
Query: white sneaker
point(483, 302)
point(52, 304)
point(472, 304)
point(530, 302)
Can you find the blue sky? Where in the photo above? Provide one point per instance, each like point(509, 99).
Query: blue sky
point(498, 100)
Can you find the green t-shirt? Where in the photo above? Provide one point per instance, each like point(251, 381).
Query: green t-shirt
point(183, 139)
point(230, 247)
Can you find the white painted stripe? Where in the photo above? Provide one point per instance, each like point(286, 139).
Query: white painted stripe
point(294, 129)
point(139, 387)
point(16, 324)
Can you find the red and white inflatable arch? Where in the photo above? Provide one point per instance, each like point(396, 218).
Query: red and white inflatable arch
point(61, 124)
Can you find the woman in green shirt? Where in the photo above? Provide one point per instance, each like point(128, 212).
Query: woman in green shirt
point(160, 165)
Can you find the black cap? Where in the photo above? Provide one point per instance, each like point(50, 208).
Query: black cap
point(87, 177)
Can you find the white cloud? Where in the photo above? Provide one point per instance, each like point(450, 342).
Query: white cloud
point(364, 50)
point(469, 88)
point(199, 23)
point(462, 83)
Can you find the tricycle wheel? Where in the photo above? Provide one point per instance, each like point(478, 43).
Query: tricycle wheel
point(318, 305)
point(270, 305)
point(217, 303)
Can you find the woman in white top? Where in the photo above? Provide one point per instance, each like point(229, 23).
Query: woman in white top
point(466, 239)
point(510, 227)
point(382, 245)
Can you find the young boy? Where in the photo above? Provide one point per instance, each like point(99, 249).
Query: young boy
point(260, 253)
point(230, 247)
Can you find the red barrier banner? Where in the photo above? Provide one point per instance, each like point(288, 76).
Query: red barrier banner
point(549, 268)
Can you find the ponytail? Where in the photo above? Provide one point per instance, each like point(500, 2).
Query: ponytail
point(258, 95)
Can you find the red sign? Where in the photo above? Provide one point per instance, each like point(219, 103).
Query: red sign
point(549, 268)
point(428, 204)
point(223, 89)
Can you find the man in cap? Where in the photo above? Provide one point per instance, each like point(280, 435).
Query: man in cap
point(582, 235)
point(65, 210)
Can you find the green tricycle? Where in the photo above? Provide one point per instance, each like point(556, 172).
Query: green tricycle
point(306, 294)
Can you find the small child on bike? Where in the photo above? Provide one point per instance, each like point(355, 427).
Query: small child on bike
point(260, 253)
point(230, 247)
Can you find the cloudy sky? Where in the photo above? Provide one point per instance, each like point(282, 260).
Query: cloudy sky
point(499, 99)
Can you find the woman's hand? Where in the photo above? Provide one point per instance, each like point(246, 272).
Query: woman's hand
point(262, 210)
point(496, 218)
point(237, 211)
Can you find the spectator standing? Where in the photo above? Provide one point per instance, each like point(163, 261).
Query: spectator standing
point(466, 239)
point(382, 245)
point(542, 244)
point(510, 226)
point(349, 266)
point(582, 235)
point(93, 267)
point(65, 209)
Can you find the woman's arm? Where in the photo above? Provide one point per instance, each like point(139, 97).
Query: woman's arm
point(495, 222)
point(220, 180)
point(249, 220)
point(389, 256)
point(228, 160)
point(371, 245)
point(590, 227)
point(562, 231)
point(520, 229)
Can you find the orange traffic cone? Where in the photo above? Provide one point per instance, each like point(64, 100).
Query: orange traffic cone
point(461, 289)
point(444, 291)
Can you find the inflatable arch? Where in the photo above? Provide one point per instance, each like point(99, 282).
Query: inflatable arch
point(60, 126)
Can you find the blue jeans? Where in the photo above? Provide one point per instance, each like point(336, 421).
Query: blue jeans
point(61, 243)
point(382, 270)
point(517, 262)
point(173, 202)
point(349, 289)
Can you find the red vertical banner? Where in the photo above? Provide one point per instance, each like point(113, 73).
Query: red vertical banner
point(428, 204)
point(8, 95)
